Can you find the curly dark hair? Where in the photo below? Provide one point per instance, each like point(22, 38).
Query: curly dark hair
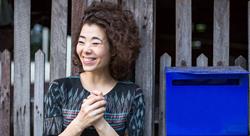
point(122, 33)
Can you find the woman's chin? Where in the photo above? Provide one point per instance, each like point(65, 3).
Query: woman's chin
point(89, 69)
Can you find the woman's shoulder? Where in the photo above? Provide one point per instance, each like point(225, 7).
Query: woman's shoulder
point(66, 86)
point(131, 86)
point(66, 83)
point(65, 79)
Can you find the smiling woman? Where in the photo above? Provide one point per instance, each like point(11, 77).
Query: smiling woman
point(99, 101)
point(93, 49)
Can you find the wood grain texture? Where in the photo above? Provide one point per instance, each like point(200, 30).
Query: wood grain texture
point(221, 33)
point(39, 93)
point(77, 12)
point(58, 39)
point(165, 61)
point(202, 61)
point(21, 111)
point(144, 14)
point(183, 33)
point(5, 93)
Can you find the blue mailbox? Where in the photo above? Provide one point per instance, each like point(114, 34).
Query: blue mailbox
point(211, 101)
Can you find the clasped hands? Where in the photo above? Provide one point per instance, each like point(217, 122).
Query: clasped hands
point(92, 111)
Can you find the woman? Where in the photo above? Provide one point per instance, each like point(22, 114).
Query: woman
point(99, 101)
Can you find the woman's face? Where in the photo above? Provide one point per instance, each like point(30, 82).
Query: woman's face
point(93, 48)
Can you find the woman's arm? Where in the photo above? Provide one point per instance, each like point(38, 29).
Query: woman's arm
point(72, 129)
point(136, 116)
point(104, 129)
point(53, 119)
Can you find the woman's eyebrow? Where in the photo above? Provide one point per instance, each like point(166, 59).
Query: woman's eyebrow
point(82, 36)
point(97, 38)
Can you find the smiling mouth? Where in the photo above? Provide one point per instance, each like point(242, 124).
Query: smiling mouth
point(89, 60)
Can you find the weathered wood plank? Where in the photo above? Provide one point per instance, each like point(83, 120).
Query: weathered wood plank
point(221, 33)
point(202, 61)
point(39, 93)
point(145, 70)
point(77, 11)
point(113, 1)
point(5, 94)
point(249, 65)
point(241, 61)
point(90, 1)
point(22, 14)
point(69, 57)
point(0, 68)
point(165, 61)
point(58, 39)
point(45, 42)
point(183, 33)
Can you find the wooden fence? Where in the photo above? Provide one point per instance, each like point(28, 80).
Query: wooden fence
point(17, 119)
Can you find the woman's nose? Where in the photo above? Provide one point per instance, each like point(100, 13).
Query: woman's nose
point(87, 49)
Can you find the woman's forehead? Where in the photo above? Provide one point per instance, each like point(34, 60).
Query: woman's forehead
point(92, 30)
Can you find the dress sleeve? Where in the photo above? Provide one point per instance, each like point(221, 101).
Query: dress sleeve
point(136, 115)
point(53, 120)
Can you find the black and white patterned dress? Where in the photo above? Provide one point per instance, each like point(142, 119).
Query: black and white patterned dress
point(124, 108)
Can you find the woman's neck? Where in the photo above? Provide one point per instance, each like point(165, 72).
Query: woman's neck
point(103, 82)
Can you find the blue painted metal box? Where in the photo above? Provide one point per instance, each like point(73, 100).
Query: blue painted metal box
point(206, 101)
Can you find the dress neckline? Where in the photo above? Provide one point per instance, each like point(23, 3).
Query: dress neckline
point(109, 92)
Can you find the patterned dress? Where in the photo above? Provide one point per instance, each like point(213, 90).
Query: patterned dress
point(124, 108)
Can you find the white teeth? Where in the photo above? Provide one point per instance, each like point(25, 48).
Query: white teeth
point(89, 59)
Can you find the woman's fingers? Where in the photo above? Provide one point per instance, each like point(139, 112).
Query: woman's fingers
point(93, 99)
point(98, 93)
point(94, 106)
point(98, 116)
point(97, 111)
point(97, 105)
point(91, 95)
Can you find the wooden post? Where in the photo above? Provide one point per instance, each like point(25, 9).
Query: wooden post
point(183, 33)
point(221, 33)
point(5, 94)
point(45, 42)
point(78, 7)
point(202, 61)
point(22, 67)
point(39, 93)
point(145, 65)
point(145, 70)
point(241, 61)
point(164, 62)
point(58, 39)
point(69, 57)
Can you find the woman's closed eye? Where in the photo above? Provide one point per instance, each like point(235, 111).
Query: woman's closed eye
point(96, 43)
point(81, 43)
